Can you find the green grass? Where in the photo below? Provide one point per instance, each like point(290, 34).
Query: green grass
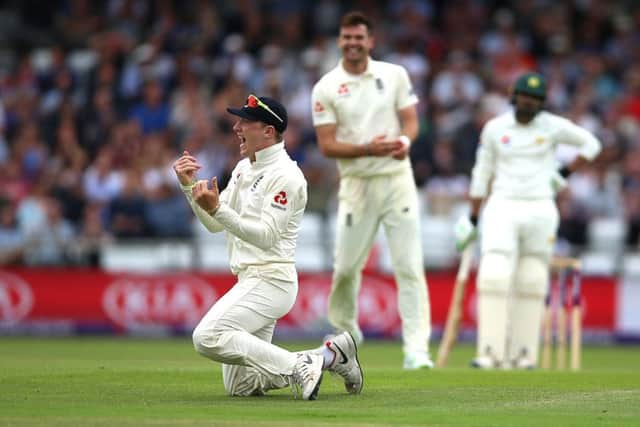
point(127, 382)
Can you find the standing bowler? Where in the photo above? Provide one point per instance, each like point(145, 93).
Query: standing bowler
point(364, 113)
point(517, 155)
point(260, 211)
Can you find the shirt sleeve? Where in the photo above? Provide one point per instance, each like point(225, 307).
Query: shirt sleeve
point(283, 197)
point(406, 95)
point(485, 165)
point(322, 111)
point(570, 133)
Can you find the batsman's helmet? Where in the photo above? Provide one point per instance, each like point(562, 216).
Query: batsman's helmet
point(532, 84)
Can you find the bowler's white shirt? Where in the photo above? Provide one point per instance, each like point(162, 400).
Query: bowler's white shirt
point(260, 209)
point(362, 107)
point(521, 159)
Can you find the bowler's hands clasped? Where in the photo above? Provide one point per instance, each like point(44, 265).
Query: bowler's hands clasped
point(380, 146)
point(185, 168)
point(465, 233)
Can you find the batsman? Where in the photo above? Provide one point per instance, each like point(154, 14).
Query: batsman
point(517, 174)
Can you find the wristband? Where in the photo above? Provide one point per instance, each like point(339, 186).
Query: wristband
point(405, 140)
point(564, 171)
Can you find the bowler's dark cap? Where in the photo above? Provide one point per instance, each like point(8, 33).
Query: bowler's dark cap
point(253, 111)
point(532, 84)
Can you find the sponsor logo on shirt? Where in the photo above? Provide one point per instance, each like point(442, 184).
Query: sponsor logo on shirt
point(280, 200)
point(343, 89)
point(318, 107)
point(379, 84)
point(539, 140)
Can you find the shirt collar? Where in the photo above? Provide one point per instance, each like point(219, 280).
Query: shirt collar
point(269, 154)
point(368, 72)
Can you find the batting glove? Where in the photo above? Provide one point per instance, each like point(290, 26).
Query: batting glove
point(465, 233)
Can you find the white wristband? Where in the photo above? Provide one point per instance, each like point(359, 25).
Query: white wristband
point(405, 140)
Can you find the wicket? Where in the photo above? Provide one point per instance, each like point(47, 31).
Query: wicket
point(565, 268)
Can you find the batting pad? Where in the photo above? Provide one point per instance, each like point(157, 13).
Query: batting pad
point(527, 306)
point(494, 277)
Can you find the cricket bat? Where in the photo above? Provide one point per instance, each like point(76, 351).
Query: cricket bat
point(454, 316)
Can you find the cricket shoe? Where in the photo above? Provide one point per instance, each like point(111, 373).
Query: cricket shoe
point(417, 360)
point(345, 362)
point(485, 362)
point(307, 375)
point(523, 361)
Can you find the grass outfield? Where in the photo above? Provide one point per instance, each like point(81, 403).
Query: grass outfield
point(126, 382)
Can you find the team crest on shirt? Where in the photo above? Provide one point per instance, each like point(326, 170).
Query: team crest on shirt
point(506, 140)
point(343, 90)
point(539, 140)
point(318, 107)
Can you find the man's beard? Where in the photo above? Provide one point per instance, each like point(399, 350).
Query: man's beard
point(526, 114)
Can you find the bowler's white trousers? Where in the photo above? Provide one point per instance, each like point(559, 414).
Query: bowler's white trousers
point(238, 329)
point(364, 204)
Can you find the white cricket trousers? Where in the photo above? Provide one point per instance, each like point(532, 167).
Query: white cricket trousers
point(238, 329)
point(364, 204)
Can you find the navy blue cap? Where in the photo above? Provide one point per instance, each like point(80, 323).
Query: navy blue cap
point(270, 112)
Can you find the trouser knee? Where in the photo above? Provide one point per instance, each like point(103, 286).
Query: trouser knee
point(532, 277)
point(494, 275)
point(206, 342)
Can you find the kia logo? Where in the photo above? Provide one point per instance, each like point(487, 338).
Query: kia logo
point(16, 298)
point(179, 300)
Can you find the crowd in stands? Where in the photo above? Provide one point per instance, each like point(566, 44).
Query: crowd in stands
point(97, 99)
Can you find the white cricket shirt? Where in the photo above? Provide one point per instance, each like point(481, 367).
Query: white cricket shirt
point(260, 209)
point(521, 159)
point(362, 107)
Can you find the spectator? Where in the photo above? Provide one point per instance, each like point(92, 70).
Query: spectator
point(12, 239)
point(127, 211)
point(49, 240)
point(153, 113)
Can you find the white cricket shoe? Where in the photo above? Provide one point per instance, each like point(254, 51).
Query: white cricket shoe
point(485, 362)
point(346, 362)
point(523, 363)
point(417, 360)
point(307, 375)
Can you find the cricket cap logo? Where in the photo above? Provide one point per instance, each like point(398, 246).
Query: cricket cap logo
point(533, 82)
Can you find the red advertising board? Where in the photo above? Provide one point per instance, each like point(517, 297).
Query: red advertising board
point(120, 302)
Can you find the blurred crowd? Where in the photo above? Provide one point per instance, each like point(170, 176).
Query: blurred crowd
point(98, 98)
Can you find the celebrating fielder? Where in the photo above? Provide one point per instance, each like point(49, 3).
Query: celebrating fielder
point(519, 222)
point(260, 210)
point(365, 116)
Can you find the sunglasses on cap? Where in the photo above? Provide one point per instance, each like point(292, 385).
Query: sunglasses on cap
point(254, 102)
